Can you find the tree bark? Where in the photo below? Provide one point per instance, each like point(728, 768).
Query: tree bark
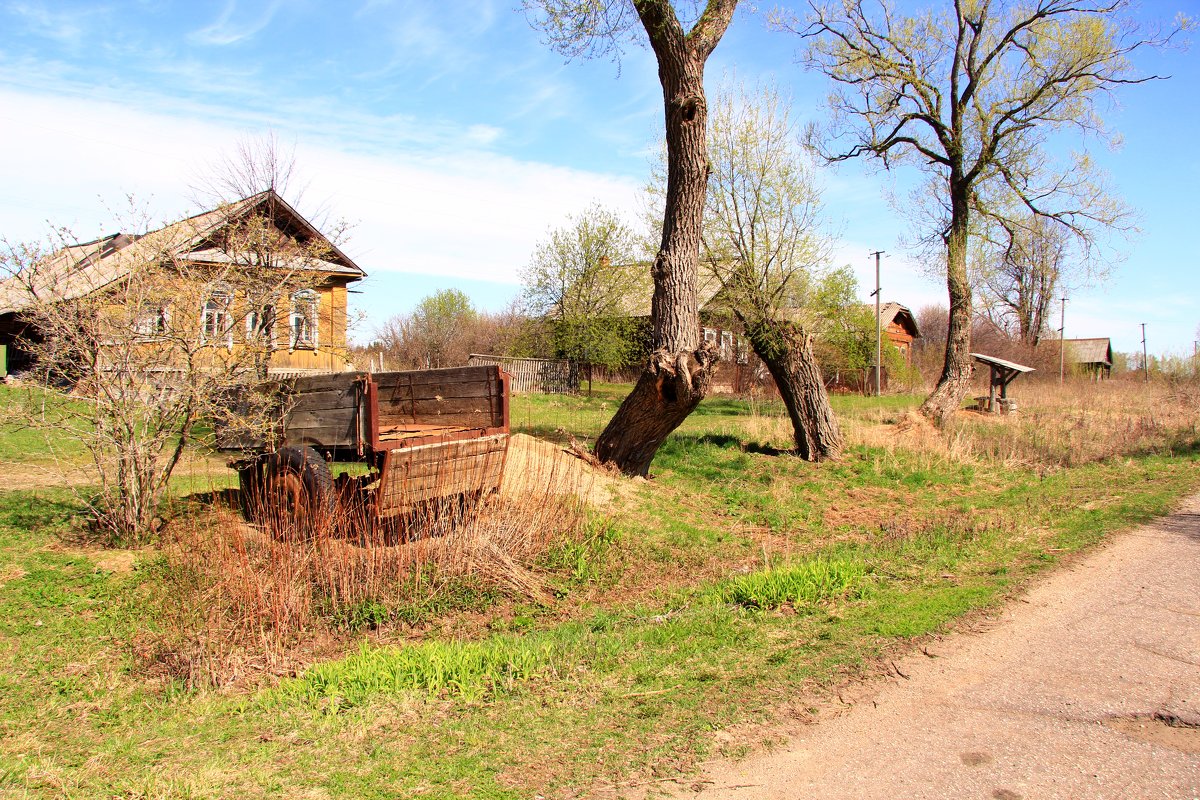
point(947, 396)
point(787, 352)
point(678, 373)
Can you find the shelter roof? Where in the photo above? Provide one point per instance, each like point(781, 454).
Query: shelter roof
point(992, 361)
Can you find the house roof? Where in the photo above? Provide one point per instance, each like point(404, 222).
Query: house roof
point(1089, 351)
point(79, 269)
point(901, 315)
point(638, 302)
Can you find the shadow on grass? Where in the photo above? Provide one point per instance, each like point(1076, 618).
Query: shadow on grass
point(224, 498)
point(38, 509)
point(728, 442)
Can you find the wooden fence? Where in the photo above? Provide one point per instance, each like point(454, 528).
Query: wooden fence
point(544, 375)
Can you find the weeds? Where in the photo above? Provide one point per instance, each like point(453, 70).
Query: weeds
point(807, 583)
point(238, 598)
point(468, 670)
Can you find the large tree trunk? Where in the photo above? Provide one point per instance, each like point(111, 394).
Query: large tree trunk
point(787, 352)
point(678, 373)
point(947, 396)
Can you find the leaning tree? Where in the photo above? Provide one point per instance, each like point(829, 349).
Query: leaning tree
point(679, 370)
point(970, 91)
point(763, 241)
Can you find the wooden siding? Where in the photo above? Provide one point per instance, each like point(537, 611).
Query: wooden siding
point(902, 338)
point(331, 353)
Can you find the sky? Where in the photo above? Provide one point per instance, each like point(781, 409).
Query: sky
point(453, 140)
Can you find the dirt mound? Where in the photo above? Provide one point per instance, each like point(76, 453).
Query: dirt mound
point(535, 466)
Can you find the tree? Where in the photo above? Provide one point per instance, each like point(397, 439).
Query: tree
point(679, 370)
point(845, 328)
point(444, 329)
point(970, 92)
point(762, 242)
point(437, 319)
point(1025, 266)
point(582, 279)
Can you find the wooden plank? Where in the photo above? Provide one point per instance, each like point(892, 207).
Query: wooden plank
point(320, 383)
point(407, 391)
point(334, 398)
point(333, 418)
point(387, 380)
point(416, 474)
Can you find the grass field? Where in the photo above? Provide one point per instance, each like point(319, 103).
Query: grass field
point(735, 584)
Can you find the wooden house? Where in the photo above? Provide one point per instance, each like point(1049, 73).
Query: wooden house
point(301, 315)
point(900, 327)
point(1093, 357)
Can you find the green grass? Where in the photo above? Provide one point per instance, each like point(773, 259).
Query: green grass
point(808, 582)
point(740, 578)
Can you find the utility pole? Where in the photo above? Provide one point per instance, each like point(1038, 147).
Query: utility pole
point(878, 325)
point(1062, 341)
point(1145, 358)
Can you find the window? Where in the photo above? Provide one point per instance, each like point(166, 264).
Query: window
point(710, 334)
point(260, 326)
point(304, 320)
point(152, 321)
point(726, 345)
point(743, 350)
point(216, 326)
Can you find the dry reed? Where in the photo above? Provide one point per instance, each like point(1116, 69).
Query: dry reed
point(240, 602)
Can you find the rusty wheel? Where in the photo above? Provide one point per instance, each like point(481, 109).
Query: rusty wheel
point(298, 493)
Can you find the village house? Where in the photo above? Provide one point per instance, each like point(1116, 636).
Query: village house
point(300, 314)
point(1093, 357)
point(900, 327)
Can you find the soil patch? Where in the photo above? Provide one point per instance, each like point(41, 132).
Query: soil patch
point(537, 467)
point(1159, 729)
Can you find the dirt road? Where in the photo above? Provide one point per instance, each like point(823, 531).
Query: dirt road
point(1086, 687)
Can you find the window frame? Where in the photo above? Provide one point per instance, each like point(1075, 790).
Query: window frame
point(305, 305)
point(216, 316)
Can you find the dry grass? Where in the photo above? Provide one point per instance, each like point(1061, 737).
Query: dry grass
point(1057, 426)
point(1083, 422)
point(240, 602)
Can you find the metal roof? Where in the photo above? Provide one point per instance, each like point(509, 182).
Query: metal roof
point(992, 361)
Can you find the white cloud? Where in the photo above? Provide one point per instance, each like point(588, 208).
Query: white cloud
point(450, 211)
point(231, 27)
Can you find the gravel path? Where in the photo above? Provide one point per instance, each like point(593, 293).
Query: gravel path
point(1086, 687)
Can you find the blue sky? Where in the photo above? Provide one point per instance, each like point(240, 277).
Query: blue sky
point(454, 140)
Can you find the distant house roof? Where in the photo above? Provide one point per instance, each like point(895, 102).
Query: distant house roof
point(901, 315)
point(1089, 351)
point(638, 302)
point(80, 269)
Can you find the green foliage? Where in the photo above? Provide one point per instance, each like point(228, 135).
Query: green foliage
point(807, 583)
point(470, 670)
point(436, 321)
point(586, 278)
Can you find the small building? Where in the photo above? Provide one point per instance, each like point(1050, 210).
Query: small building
point(1092, 357)
point(900, 327)
point(306, 329)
